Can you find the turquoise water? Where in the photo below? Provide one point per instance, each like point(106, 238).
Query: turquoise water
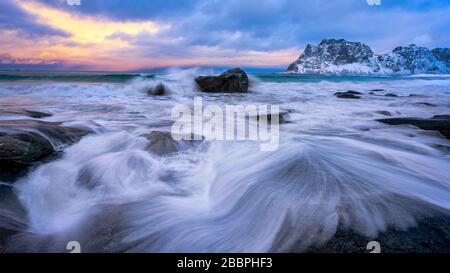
point(122, 77)
point(72, 76)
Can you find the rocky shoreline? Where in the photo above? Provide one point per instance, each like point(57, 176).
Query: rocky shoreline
point(29, 141)
point(431, 235)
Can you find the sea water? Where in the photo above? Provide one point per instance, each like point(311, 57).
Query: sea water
point(335, 167)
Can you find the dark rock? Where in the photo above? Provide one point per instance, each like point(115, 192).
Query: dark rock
point(24, 142)
point(234, 80)
point(282, 117)
point(13, 218)
point(353, 92)
point(426, 104)
point(23, 149)
point(162, 143)
point(391, 95)
point(377, 90)
point(437, 123)
point(158, 90)
point(431, 235)
point(347, 95)
point(385, 113)
point(24, 112)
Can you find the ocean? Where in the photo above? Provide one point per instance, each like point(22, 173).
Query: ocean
point(336, 167)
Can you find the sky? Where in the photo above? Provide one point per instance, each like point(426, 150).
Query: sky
point(139, 35)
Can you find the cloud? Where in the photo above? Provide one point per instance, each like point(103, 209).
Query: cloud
point(276, 24)
point(8, 62)
point(126, 10)
point(13, 17)
point(136, 33)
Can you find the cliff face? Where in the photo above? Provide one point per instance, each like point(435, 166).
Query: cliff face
point(333, 56)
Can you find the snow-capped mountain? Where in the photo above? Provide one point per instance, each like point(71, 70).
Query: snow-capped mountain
point(333, 56)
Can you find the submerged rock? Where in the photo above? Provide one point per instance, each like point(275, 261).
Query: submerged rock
point(162, 143)
point(282, 117)
point(425, 104)
point(234, 80)
point(24, 142)
point(158, 90)
point(439, 123)
point(384, 113)
point(25, 112)
point(348, 95)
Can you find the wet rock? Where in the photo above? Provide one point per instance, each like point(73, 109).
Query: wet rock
point(282, 117)
point(416, 96)
point(353, 92)
point(24, 142)
point(348, 95)
point(22, 149)
point(234, 80)
point(162, 143)
point(426, 104)
point(13, 218)
point(158, 90)
point(25, 112)
point(439, 123)
point(391, 95)
point(384, 113)
point(377, 90)
point(431, 235)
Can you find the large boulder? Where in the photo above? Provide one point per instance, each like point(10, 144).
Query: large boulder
point(234, 80)
point(439, 123)
point(24, 142)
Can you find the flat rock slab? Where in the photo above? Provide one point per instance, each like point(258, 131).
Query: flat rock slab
point(439, 123)
point(24, 142)
point(25, 112)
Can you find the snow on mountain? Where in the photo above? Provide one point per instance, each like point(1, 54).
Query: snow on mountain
point(334, 56)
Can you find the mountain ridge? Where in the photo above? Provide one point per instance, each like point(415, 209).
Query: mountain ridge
point(341, 57)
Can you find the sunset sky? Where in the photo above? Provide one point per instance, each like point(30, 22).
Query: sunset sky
point(126, 35)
